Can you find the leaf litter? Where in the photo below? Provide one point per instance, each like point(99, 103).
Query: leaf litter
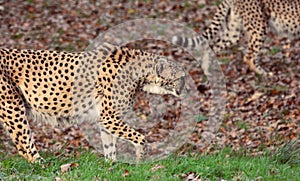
point(259, 113)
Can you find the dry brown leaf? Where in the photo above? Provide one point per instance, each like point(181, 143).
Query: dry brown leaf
point(64, 168)
point(255, 96)
point(125, 174)
point(67, 167)
point(157, 167)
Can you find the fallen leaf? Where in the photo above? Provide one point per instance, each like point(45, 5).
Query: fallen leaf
point(125, 174)
point(255, 96)
point(67, 167)
point(156, 167)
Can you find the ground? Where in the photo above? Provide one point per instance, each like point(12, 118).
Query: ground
point(259, 113)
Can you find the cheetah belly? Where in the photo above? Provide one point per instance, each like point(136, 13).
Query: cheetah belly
point(284, 28)
point(38, 115)
point(62, 112)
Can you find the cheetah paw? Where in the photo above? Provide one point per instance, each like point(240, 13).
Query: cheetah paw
point(40, 161)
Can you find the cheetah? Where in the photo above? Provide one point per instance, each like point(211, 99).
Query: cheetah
point(253, 16)
point(97, 85)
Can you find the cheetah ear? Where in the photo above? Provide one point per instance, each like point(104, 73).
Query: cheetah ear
point(159, 67)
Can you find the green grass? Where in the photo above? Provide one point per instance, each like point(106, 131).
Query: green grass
point(201, 118)
point(224, 60)
point(289, 153)
point(17, 36)
point(226, 165)
point(275, 50)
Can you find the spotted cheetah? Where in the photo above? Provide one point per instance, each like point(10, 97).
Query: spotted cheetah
point(97, 85)
point(253, 16)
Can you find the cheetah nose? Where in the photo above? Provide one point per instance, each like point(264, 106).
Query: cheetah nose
point(183, 93)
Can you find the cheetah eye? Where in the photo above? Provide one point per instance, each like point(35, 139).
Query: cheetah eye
point(159, 67)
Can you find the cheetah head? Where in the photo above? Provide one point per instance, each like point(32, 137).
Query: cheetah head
point(167, 78)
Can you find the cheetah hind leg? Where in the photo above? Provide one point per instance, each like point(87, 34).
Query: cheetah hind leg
point(30, 154)
point(256, 32)
point(15, 121)
point(230, 34)
point(254, 45)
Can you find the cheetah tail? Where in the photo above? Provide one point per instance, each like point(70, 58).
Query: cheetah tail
point(218, 21)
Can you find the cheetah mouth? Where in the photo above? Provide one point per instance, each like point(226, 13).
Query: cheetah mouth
point(183, 93)
point(156, 89)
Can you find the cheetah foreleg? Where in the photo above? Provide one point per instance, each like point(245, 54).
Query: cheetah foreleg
point(109, 145)
point(114, 125)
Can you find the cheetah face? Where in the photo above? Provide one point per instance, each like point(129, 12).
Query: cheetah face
point(168, 78)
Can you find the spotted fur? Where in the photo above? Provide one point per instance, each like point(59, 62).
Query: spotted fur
point(252, 16)
point(98, 85)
